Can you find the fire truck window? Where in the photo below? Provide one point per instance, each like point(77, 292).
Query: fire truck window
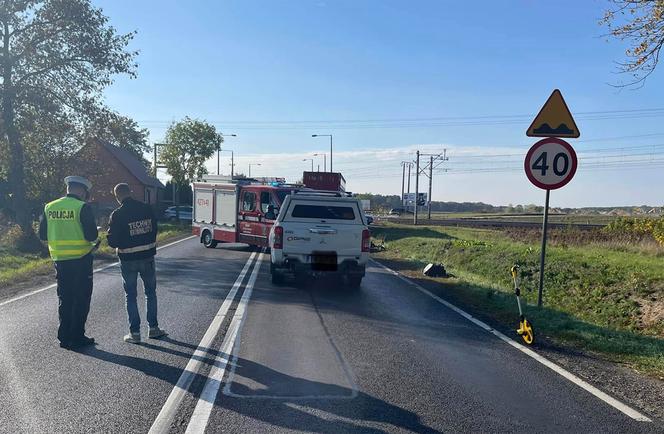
point(248, 201)
point(266, 199)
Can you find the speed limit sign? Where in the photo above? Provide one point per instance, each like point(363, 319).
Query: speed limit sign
point(550, 163)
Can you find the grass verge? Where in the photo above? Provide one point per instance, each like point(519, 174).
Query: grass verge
point(16, 267)
point(597, 300)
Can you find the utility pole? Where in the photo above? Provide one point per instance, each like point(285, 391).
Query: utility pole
point(409, 164)
point(403, 179)
point(430, 182)
point(157, 166)
point(417, 186)
point(442, 157)
point(219, 152)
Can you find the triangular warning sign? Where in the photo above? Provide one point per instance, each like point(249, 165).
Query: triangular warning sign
point(554, 119)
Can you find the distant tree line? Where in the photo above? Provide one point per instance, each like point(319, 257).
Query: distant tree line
point(382, 202)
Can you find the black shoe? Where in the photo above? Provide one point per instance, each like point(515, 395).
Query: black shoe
point(65, 345)
point(83, 342)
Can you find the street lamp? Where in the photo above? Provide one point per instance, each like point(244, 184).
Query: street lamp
point(312, 162)
point(219, 150)
point(330, 136)
point(252, 164)
point(232, 161)
point(324, 161)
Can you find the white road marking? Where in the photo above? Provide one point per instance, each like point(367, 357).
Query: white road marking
point(201, 416)
point(613, 402)
point(102, 268)
point(162, 423)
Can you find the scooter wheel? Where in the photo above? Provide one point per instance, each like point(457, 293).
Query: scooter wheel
point(528, 335)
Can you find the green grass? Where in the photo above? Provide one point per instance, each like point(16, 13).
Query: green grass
point(16, 267)
point(596, 299)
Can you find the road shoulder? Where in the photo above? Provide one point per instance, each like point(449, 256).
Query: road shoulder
point(622, 382)
point(45, 276)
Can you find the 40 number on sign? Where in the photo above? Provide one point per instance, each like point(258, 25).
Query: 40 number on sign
point(550, 163)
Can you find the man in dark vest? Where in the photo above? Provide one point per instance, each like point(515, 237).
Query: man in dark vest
point(68, 225)
point(133, 232)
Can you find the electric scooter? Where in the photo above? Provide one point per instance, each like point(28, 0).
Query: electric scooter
point(525, 329)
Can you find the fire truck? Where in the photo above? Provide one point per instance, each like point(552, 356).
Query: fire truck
point(237, 211)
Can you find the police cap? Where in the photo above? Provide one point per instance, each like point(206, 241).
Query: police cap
point(78, 180)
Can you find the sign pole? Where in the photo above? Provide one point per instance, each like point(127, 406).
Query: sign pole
point(543, 251)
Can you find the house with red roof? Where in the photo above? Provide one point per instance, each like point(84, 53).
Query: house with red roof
point(106, 165)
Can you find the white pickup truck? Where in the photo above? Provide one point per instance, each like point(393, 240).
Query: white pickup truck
point(320, 234)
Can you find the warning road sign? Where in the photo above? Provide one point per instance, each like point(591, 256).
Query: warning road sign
point(554, 119)
point(550, 163)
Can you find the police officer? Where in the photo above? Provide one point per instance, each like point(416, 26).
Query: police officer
point(68, 225)
point(133, 232)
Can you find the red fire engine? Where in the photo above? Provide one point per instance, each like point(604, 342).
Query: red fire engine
point(229, 211)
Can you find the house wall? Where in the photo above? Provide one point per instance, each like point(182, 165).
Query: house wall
point(105, 172)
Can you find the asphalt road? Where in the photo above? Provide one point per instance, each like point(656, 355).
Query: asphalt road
point(386, 358)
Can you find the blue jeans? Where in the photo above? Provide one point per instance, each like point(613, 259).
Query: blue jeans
point(130, 271)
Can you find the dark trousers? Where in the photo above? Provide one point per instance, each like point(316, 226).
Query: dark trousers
point(74, 279)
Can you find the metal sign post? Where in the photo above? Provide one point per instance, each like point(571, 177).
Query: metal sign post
point(540, 289)
point(550, 164)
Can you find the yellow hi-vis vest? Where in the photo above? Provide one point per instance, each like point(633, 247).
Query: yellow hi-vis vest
point(65, 232)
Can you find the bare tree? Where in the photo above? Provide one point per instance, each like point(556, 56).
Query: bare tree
point(641, 24)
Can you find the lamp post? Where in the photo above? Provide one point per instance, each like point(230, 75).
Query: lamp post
point(252, 164)
point(330, 136)
point(232, 161)
point(219, 150)
point(312, 162)
point(324, 161)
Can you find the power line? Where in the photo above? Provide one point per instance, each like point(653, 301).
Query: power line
point(441, 121)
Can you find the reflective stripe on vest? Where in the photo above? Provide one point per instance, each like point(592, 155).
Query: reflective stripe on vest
point(64, 230)
point(138, 248)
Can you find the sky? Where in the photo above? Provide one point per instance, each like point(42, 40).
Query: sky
point(387, 78)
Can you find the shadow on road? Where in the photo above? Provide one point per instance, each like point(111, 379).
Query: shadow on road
point(296, 413)
point(284, 412)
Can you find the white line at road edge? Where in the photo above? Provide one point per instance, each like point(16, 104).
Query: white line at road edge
point(613, 402)
point(201, 416)
point(104, 267)
point(162, 423)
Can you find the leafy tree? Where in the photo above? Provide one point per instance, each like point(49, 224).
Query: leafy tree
point(641, 24)
point(189, 144)
point(56, 57)
point(121, 131)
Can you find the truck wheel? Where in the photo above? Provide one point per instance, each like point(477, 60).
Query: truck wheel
point(208, 241)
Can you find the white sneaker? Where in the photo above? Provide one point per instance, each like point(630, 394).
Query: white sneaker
point(156, 332)
point(133, 338)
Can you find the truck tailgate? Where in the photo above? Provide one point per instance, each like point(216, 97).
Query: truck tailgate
point(314, 238)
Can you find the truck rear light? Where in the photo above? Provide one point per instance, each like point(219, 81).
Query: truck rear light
point(366, 240)
point(278, 238)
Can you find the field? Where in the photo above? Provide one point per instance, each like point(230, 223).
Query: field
point(604, 291)
point(566, 219)
point(16, 267)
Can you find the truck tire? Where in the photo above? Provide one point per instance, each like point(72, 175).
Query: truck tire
point(207, 240)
